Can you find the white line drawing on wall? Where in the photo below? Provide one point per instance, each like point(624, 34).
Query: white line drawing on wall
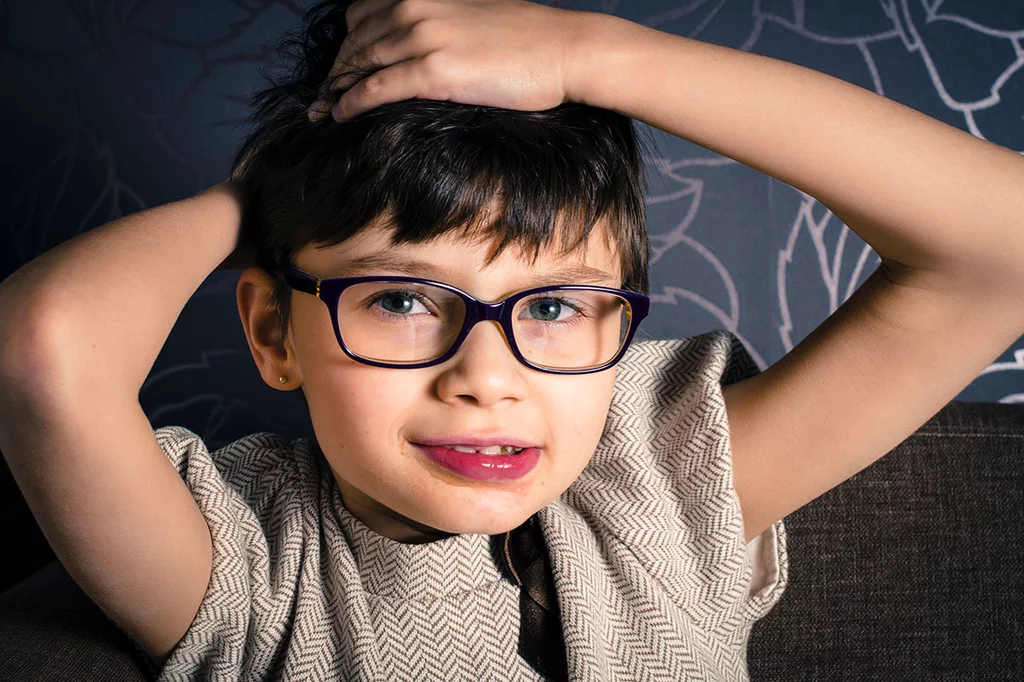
point(912, 25)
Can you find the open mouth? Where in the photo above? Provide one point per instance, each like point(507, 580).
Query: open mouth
point(490, 450)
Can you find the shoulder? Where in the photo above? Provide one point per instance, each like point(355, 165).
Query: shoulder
point(255, 469)
point(255, 495)
point(656, 367)
point(666, 434)
point(658, 491)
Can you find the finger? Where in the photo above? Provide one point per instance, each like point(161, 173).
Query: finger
point(359, 10)
point(318, 110)
point(356, 56)
point(370, 22)
point(400, 81)
point(395, 48)
point(370, 30)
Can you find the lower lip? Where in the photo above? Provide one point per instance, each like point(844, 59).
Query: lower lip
point(483, 467)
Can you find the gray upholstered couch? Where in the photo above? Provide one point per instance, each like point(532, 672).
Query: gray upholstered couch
point(911, 570)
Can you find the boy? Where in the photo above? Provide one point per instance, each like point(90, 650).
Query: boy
point(639, 597)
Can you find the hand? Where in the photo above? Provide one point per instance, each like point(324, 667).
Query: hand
point(509, 54)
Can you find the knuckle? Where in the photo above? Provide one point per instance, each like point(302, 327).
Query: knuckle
point(434, 64)
point(353, 12)
point(406, 11)
point(371, 85)
point(422, 32)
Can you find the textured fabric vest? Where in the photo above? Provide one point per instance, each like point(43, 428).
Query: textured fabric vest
point(652, 577)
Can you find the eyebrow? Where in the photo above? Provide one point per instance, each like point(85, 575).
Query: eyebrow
point(374, 263)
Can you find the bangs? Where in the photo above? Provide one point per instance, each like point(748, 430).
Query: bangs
point(423, 168)
point(535, 180)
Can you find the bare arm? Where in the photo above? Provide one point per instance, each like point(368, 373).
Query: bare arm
point(80, 328)
point(943, 209)
point(923, 194)
point(120, 287)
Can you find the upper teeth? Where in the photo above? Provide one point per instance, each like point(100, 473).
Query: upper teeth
point(489, 450)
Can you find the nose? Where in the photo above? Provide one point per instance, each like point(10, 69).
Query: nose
point(489, 329)
point(484, 369)
point(488, 316)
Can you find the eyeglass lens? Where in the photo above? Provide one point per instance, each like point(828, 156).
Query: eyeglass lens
point(404, 322)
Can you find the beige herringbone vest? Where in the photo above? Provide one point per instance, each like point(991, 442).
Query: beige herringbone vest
point(653, 578)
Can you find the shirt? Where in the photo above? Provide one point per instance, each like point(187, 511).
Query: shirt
point(653, 578)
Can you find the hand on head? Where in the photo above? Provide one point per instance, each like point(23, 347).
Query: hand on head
point(508, 54)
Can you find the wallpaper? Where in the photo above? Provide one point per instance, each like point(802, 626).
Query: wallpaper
point(113, 106)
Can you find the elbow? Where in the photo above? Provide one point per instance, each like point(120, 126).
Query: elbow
point(34, 348)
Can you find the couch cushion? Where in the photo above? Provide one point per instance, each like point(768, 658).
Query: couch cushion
point(51, 631)
point(912, 568)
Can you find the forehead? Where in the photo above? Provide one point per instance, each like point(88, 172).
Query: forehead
point(454, 258)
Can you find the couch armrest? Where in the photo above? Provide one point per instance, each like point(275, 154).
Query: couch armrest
point(51, 631)
point(912, 568)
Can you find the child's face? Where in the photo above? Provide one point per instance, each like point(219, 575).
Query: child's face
point(367, 418)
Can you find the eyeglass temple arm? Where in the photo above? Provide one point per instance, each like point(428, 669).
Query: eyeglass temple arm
point(298, 280)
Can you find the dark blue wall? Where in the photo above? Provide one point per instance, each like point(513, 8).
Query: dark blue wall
point(115, 106)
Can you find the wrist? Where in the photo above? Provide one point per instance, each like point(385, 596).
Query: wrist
point(228, 196)
point(599, 48)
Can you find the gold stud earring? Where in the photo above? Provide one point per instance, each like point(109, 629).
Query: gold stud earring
point(282, 379)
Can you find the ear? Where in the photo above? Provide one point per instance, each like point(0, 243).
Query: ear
point(274, 356)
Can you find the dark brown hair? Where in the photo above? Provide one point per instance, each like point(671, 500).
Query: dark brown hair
point(428, 167)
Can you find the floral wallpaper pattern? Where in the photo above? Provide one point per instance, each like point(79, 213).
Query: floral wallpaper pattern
point(114, 106)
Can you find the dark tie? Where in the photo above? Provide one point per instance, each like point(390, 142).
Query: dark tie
point(525, 560)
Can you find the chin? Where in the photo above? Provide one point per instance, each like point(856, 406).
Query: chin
point(502, 523)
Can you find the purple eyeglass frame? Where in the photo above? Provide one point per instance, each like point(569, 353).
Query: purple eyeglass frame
point(329, 291)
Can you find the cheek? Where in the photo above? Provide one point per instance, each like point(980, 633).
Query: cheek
point(578, 411)
point(357, 417)
point(362, 406)
point(351, 405)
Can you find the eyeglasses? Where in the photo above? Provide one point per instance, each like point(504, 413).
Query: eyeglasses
point(410, 322)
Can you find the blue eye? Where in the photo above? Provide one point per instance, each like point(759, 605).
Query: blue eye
point(547, 306)
point(401, 300)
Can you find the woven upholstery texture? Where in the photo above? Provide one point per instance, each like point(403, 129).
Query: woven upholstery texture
point(912, 569)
